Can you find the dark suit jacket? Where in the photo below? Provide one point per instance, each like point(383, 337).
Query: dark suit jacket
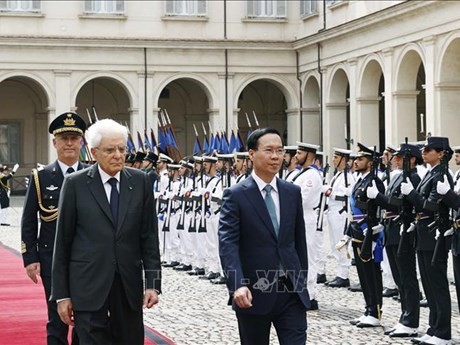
point(38, 246)
point(88, 249)
point(249, 250)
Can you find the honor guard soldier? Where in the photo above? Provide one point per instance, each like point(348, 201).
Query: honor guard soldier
point(400, 244)
point(139, 159)
point(171, 217)
point(432, 227)
point(451, 198)
point(129, 161)
point(337, 213)
point(42, 198)
point(310, 182)
point(5, 176)
point(366, 234)
point(198, 232)
point(150, 161)
point(225, 169)
point(187, 244)
point(241, 165)
point(290, 165)
point(212, 196)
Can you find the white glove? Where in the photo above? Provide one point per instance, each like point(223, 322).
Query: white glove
point(170, 195)
point(377, 228)
point(342, 190)
point(325, 188)
point(372, 191)
point(343, 242)
point(15, 168)
point(449, 232)
point(407, 187)
point(443, 186)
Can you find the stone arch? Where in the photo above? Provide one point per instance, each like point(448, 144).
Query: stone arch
point(311, 109)
point(448, 88)
point(409, 95)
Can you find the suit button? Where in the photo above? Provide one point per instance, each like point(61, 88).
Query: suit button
point(46, 246)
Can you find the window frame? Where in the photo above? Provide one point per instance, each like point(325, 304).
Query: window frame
point(171, 7)
point(89, 8)
point(275, 5)
point(34, 6)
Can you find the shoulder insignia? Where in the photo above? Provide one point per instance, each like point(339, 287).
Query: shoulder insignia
point(23, 247)
point(52, 188)
point(40, 167)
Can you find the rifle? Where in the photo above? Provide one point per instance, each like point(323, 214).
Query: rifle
point(371, 214)
point(322, 200)
point(406, 210)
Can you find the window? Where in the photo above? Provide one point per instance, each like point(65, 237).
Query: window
point(9, 143)
point(20, 5)
point(186, 7)
point(266, 8)
point(332, 2)
point(308, 7)
point(105, 6)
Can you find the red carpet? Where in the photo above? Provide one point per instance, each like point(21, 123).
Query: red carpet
point(22, 306)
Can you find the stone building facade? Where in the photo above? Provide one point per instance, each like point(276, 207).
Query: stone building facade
point(326, 72)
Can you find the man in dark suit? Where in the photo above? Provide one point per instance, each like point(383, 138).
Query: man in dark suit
point(263, 249)
point(42, 197)
point(106, 237)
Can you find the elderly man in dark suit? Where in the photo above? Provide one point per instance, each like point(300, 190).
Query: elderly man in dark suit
point(263, 248)
point(42, 198)
point(106, 237)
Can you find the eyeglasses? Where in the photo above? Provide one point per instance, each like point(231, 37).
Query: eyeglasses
point(112, 150)
point(278, 152)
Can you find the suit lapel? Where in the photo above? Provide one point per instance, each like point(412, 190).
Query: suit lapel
point(254, 196)
point(126, 192)
point(97, 190)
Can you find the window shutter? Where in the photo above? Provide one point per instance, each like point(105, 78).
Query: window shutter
point(250, 8)
point(3, 5)
point(36, 5)
point(88, 6)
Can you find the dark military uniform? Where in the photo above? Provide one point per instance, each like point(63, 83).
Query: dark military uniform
point(42, 198)
point(433, 272)
point(402, 264)
point(365, 216)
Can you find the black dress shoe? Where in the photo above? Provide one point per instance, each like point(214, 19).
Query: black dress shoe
point(210, 275)
point(353, 262)
point(355, 288)
point(183, 267)
point(219, 280)
point(198, 271)
point(171, 264)
point(313, 305)
point(320, 278)
point(339, 282)
point(390, 292)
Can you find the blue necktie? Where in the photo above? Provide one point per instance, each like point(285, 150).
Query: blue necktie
point(271, 207)
point(114, 200)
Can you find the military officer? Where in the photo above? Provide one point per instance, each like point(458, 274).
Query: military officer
point(42, 197)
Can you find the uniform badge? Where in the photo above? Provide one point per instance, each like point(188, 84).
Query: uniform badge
point(69, 121)
point(23, 247)
point(52, 188)
point(52, 207)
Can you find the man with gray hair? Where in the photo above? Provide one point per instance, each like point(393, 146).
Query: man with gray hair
point(106, 236)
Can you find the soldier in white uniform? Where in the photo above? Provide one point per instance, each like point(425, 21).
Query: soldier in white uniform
point(212, 193)
point(241, 165)
point(290, 163)
point(310, 182)
point(185, 237)
point(159, 190)
point(337, 215)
